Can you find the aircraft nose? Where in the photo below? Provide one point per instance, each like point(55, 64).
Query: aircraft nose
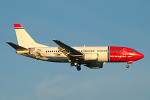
point(140, 55)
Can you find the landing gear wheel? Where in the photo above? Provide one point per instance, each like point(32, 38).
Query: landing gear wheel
point(127, 66)
point(76, 63)
point(78, 68)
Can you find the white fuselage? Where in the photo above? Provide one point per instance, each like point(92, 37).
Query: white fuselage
point(54, 55)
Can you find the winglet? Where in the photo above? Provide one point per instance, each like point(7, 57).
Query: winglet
point(17, 26)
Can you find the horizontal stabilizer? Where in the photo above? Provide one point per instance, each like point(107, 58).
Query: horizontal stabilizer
point(16, 47)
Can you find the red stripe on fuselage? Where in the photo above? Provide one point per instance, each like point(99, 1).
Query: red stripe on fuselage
point(117, 54)
point(123, 54)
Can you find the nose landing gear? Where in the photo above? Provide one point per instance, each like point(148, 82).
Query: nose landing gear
point(127, 66)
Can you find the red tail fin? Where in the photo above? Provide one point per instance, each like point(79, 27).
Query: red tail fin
point(18, 26)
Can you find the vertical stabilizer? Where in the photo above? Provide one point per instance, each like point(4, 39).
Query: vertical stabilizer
point(24, 39)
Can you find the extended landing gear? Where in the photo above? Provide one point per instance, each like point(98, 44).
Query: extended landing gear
point(78, 68)
point(76, 64)
point(127, 66)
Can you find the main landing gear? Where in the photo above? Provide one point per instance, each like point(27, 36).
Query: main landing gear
point(78, 68)
point(76, 63)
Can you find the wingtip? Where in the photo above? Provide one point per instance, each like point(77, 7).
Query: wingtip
point(56, 40)
point(8, 42)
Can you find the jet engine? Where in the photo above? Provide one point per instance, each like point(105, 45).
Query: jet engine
point(91, 57)
point(95, 65)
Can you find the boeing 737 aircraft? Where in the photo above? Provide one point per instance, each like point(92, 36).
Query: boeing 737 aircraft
point(92, 57)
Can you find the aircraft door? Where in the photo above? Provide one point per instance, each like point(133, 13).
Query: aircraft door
point(125, 53)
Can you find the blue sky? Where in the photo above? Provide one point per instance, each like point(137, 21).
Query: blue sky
point(76, 23)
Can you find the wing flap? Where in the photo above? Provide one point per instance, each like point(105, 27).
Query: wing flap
point(63, 51)
point(67, 49)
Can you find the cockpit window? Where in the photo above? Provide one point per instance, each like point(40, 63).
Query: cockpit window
point(133, 51)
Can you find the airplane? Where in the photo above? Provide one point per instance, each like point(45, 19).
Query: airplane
point(92, 57)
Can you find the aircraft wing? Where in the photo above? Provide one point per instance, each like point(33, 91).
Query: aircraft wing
point(67, 50)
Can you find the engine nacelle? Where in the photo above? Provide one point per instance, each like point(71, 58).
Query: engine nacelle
point(95, 65)
point(91, 57)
